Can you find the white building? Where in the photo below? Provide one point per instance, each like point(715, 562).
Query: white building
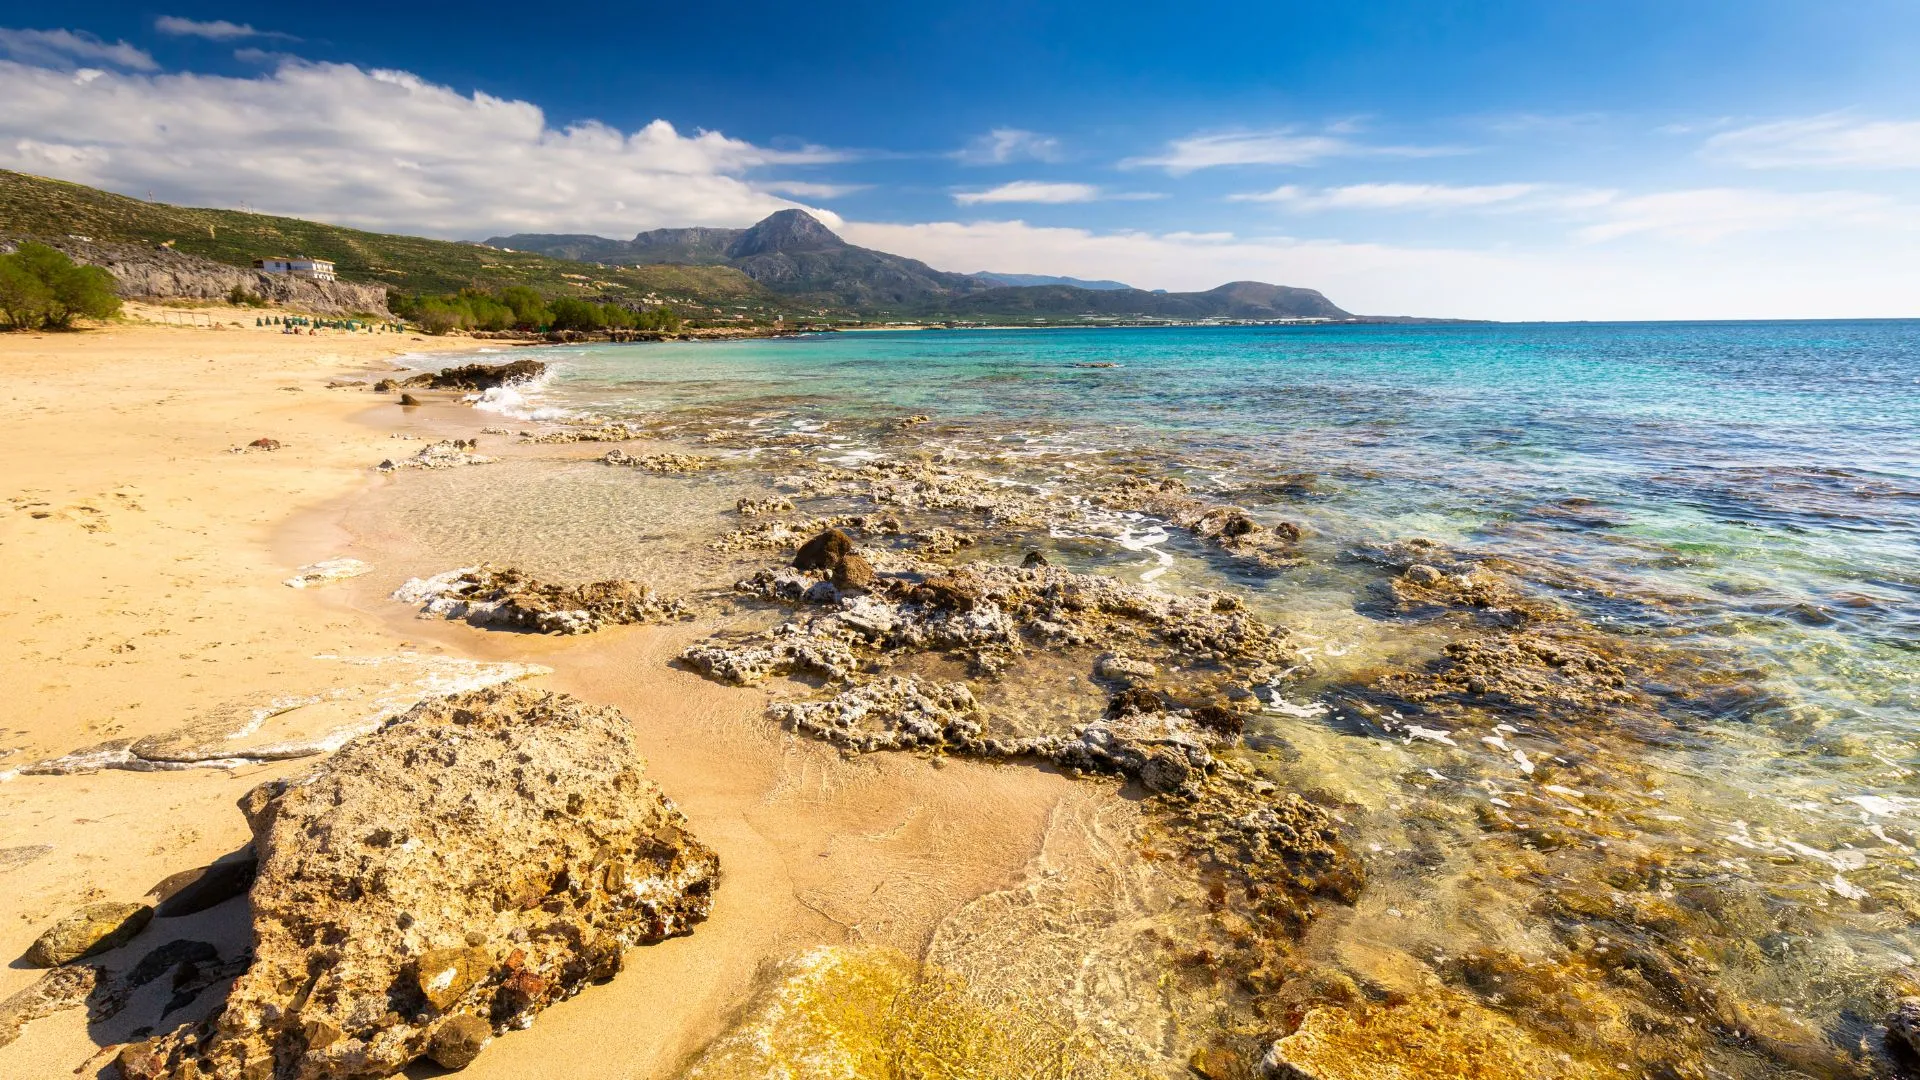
point(317, 269)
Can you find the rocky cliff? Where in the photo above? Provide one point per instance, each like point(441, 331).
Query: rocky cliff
point(148, 272)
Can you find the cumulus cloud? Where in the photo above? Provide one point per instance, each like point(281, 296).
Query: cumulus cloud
point(379, 150)
point(1391, 196)
point(214, 30)
point(1002, 146)
point(1279, 146)
point(66, 49)
point(1834, 141)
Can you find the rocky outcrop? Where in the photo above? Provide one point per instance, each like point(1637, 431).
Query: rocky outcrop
point(439, 881)
point(502, 596)
point(145, 272)
point(477, 377)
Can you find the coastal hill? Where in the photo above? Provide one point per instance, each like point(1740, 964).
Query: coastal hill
point(34, 206)
point(791, 253)
point(788, 265)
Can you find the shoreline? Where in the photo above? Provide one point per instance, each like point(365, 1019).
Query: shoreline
point(195, 542)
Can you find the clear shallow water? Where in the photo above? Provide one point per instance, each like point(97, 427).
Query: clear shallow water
point(1748, 492)
point(1766, 474)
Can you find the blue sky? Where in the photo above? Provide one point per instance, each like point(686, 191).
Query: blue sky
point(1508, 160)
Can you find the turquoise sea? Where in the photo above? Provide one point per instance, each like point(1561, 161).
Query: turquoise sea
point(1743, 495)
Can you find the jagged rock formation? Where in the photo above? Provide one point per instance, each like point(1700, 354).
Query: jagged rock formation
point(502, 596)
point(474, 377)
point(145, 272)
point(443, 879)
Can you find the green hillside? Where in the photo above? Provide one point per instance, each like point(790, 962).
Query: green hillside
point(36, 206)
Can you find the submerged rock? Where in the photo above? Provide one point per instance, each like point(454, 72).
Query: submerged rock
point(465, 867)
point(660, 463)
point(502, 596)
point(92, 929)
point(612, 432)
point(326, 571)
point(776, 504)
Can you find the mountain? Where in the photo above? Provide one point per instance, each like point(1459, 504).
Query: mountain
point(789, 253)
point(793, 255)
point(36, 206)
point(1044, 279)
point(1250, 300)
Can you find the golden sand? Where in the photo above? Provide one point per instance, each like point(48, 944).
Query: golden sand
point(141, 589)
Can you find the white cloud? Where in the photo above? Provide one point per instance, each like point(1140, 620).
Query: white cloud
point(807, 189)
point(1835, 141)
point(1003, 146)
point(1637, 278)
point(1705, 215)
point(1391, 196)
point(1281, 146)
point(215, 30)
point(1030, 191)
point(64, 49)
point(379, 150)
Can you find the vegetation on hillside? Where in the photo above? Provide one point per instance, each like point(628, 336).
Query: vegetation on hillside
point(40, 287)
point(36, 206)
point(521, 307)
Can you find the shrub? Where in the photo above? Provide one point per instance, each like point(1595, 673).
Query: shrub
point(42, 287)
point(438, 319)
point(571, 314)
point(24, 298)
point(238, 296)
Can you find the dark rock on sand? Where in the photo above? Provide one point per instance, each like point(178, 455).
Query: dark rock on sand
point(823, 552)
point(474, 377)
point(409, 399)
point(192, 891)
point(447, 877)
point(458, 1041)
point(264, 444)
point(92, 929)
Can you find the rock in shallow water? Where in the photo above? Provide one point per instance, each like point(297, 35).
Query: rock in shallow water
point(442, 879)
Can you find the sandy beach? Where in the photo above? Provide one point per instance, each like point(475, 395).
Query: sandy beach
point(143, 587)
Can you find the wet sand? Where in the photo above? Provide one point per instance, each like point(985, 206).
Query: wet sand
point(143, 589)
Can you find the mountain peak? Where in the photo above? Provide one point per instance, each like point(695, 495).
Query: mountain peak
point(785, 230)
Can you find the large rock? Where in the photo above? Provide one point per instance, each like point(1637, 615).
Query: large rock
point(92, 929)
point(480, 376)
point(445, 878)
